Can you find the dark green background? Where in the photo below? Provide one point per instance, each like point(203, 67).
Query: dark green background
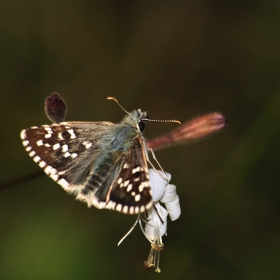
point(175, 59)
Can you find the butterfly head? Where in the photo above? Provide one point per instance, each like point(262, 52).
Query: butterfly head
point(137, 119)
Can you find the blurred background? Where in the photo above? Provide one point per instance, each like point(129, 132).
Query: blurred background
point(175, 59)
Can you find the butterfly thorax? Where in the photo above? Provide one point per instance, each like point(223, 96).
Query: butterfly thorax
point(120, 137)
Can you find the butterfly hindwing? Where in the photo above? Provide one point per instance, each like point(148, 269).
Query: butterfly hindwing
point(128, 185)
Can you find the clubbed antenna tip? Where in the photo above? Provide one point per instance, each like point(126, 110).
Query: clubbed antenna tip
point(115, 99)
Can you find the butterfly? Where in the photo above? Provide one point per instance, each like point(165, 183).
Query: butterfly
point(103, 164)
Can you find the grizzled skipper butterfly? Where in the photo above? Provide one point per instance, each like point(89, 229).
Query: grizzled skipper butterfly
point(102, 163)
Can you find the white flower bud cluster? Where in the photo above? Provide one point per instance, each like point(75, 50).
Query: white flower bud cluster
point(164, 192)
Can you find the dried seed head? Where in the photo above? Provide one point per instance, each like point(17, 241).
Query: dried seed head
point(55, 108)
point(193, 130)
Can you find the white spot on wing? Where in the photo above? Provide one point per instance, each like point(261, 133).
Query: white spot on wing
point(111, 205)
point(141, 187)
point(63, 183)
point(136, 209)
point(129, 188)
point(36, 159)
point(22, 134)
point(125, 209)
point(60, 136)
point(39, 143)
point(137, 169)
point(87, 144)
point(25, 142)
point(137, 197)
point(48, 129)
point(126, 183)
point(120, 180)
point(51, 170)
point(32, 153)
point(48, 170)
point(67, 154)
point(42, 164)
point(56, 146)
point(49, 135)
point(74, 155)
point(54, 177)
point(119, 207)
point(97, 203)
point(64, 148)
point(71, 132)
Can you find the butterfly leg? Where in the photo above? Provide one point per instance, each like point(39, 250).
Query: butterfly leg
point(154, 157)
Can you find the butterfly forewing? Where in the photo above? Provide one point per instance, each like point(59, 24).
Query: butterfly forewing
point(63, 150)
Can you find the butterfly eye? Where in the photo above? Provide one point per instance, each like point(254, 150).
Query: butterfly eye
point(141, 126)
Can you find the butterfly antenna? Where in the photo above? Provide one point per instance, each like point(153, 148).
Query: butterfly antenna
point(173, 121)
point(115, 99)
